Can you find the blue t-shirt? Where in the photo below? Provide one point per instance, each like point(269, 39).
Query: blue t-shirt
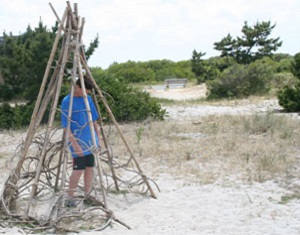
point(79, 122)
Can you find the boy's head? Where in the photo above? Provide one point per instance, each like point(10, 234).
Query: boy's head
point(88, 84)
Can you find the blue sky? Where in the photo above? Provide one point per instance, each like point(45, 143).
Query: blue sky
point(158, 29)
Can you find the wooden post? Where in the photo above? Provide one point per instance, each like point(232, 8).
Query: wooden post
point(108, 153)
point(99, 167)
point(14, 176)
point(119, 130)
point(50, 123)
point(110, 157)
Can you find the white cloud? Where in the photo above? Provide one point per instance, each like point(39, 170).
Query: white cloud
point(159, 29)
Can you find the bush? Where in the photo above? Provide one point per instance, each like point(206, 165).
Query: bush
point(289, 96)
point(6, 92)
point(240, 81)
point(283, 79)
point(6, 114)
point(17, 116)
point(126, 102)
point(296, 66)
point(260, 74)
point(152, 71)
point(232, 83)
point(14, 117)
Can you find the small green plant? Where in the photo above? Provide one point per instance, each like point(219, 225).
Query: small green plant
point(116, 192)
point(139, 133)
point(86, 227)
point(287, 198)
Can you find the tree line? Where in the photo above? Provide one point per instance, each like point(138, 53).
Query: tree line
point(247, 65)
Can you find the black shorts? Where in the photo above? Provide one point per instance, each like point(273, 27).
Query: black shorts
point(80, 163)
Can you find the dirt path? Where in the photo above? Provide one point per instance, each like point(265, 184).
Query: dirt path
point(187, 93)
point(183, 112)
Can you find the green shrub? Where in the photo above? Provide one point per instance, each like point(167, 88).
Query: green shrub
point(232, 83)
point(152, 71)
point(260, 74)
point(285, 65)
point(289, 96)
point(296, 66)
point(6, 93)
point(126, 102)
point(14, 117)
point(283, 79)
point(6, 114)
point(240, 81)
point(17, 116)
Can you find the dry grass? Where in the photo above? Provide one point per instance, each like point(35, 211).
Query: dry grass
point(217, 148)
point(208, 149)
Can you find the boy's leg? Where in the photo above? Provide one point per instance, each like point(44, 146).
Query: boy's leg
point(74, 179)
point(88, 173)
point(88, 179)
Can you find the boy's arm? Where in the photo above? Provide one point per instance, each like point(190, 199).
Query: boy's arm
point(75, 145)
point(96, 127)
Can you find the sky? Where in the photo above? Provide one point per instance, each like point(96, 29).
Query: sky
point(143, 30)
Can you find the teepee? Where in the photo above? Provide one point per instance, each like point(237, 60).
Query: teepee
point(36, 188)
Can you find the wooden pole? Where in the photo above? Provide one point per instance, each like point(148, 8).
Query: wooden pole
point(57, 17)
point(67, 137)
point(118, 129)
point(14, 176)
point(110, 157)
point(52, 85)
point(51, 119)
point(68, 130)
point(73, 18)
point(92, 130)
point(108, 153)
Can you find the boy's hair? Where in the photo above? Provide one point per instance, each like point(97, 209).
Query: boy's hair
point(87, 83)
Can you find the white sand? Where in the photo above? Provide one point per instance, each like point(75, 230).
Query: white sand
point(179, 93)
point(183, 208)
point(226, 207)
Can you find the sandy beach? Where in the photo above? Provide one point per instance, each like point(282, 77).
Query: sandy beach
point(227, 206)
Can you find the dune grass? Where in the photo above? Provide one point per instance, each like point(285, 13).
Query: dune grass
point(225, 148)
